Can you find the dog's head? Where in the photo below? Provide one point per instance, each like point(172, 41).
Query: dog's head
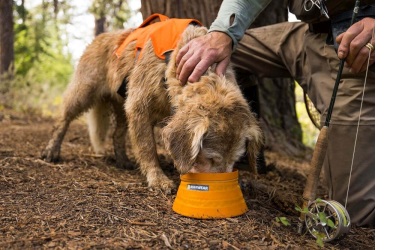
point(212, 127)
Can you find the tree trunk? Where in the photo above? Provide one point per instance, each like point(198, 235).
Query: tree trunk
point(6, 39)
point(273, 99)
point(204, 10)
point(277, 100)
point(99, 25)
point(56, 9)
point(99, 9)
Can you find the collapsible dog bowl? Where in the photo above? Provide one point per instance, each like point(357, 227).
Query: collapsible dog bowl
point(210, 196)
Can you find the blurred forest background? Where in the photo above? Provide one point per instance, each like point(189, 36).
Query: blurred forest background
point(41, 41)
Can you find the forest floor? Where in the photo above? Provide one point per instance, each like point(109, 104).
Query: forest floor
point(85, 202)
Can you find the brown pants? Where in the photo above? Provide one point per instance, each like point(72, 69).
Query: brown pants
point(290, 50)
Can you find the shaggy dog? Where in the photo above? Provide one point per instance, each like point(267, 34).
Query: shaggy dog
point(207, 125)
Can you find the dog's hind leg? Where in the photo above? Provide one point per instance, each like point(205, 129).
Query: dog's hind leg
point(98, 120)
point(78, 98)
point(119, 137)
point(52, 151)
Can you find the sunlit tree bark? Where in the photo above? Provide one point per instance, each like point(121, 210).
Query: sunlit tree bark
point(203, 10)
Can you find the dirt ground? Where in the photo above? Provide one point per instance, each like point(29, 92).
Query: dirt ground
point(85, 202)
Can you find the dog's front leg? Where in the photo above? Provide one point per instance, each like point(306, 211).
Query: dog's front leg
point(145, 150)
point(119, 137)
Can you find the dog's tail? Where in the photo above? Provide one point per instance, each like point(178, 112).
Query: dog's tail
point(98, 120)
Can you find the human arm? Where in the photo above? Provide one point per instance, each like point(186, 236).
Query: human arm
point(234, 17)
point(352, 45)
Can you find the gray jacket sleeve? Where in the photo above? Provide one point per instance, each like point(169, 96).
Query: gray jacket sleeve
point(243, 13)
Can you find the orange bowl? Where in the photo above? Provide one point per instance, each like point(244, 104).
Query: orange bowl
point(210, 196)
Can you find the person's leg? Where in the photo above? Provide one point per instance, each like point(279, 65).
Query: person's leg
point(288, 49)
point(338, 165)
point(350, 178)
point(272, 51)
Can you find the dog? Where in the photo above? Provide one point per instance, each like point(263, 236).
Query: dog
point(206, 126)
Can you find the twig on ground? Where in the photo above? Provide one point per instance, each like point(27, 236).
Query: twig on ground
point(127, 220)
point(166, 241)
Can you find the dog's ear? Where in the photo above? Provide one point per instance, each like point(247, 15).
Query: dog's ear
point(199, 129)
point(255, 141)
point(183, 134)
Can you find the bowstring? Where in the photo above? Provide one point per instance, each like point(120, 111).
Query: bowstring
point(358, 124)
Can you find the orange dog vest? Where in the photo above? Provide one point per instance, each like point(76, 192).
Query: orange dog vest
point(164, 35)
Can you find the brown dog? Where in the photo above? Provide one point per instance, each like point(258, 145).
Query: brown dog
point(208, 124)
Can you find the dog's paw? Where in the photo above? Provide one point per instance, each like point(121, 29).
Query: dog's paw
point(125, 164)
point(50, 154)
point(163, 183)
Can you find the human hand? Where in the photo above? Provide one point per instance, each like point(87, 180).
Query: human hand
point(199, 54)
point(353, 42)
